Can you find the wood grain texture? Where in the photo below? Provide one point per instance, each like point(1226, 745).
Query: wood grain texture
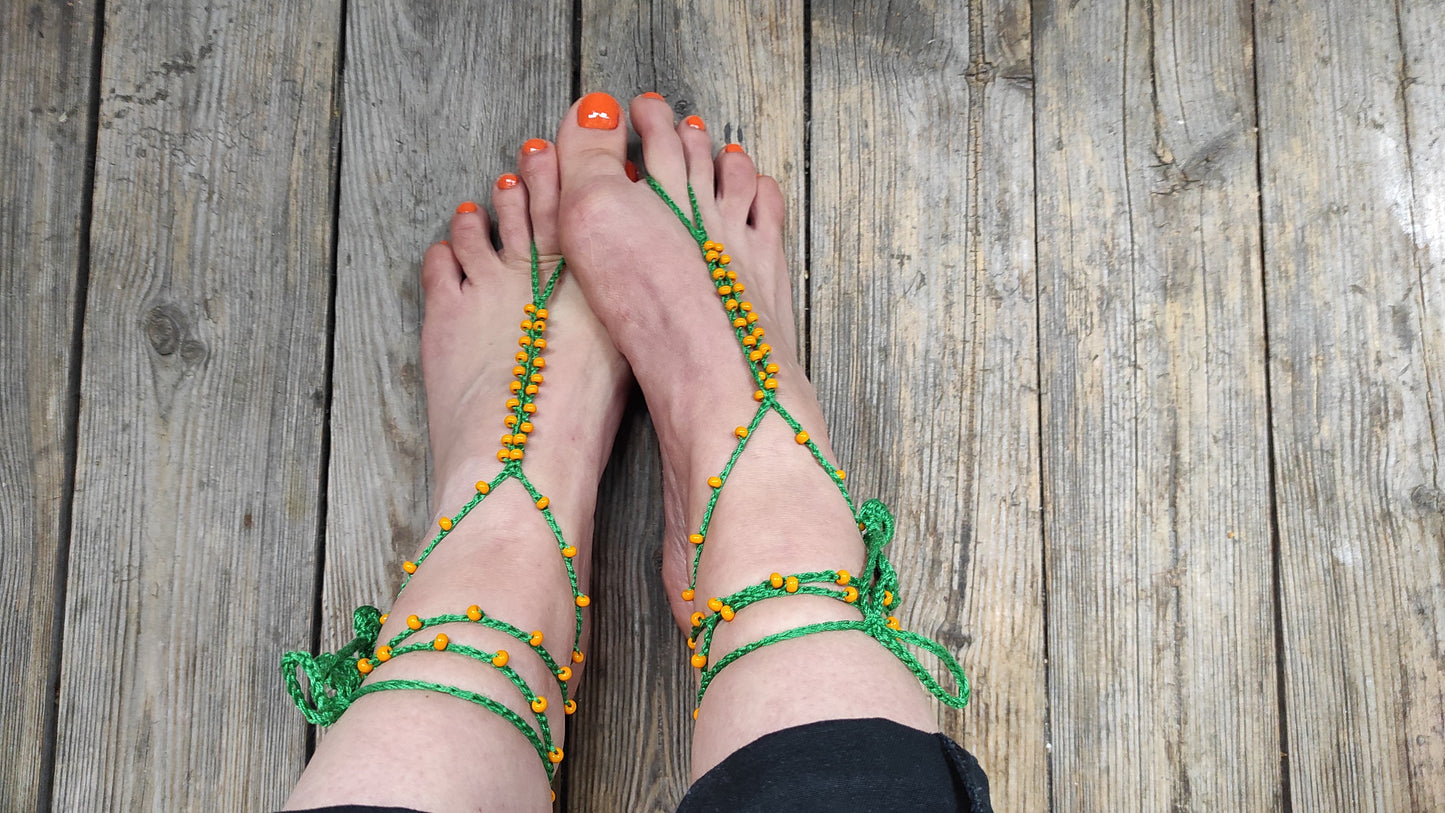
point(923, 336)
point(1156, 483)
point(45, 122)
point(740, 67)
point(200, 423)
point(437, 101)
point(1351, 98)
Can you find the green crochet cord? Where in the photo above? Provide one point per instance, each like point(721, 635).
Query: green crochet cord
point(878, 584)
point(335, 680)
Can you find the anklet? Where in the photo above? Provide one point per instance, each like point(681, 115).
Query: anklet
point(874, 591)
point(335, 680)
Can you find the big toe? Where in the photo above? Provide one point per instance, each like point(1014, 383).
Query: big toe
point(591, 141)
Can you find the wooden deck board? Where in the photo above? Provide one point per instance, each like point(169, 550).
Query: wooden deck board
point(203, 379)
point(1083, 326)
point(923, 337)
point(1156, 484)
point(1356, 354)
point(45, 124)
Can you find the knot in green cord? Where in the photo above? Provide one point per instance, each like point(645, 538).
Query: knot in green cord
point(332, 679)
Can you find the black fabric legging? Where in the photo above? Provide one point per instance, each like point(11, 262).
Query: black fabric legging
point(839, 766)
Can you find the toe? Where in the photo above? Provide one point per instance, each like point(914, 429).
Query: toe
point(538, 167)
point(509, 198)
point(661, 151)
point(471, 239)
point(697, 149)
point(440, 271)
point(737, 182)
point(766, 214)
point(590, 142)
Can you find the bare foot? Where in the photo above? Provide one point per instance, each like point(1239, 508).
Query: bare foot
point(503, 556)
point(780, 510)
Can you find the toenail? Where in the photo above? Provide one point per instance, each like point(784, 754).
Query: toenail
point(466, 208)
point(632, 174)
point(598, 111)
point(534, 145)
point(733, 148)
point(695, 122)
point(651, 95)
point(508, 181)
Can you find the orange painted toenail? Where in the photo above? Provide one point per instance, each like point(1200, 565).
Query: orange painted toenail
point(466, 208)
point(733, 148)
point(695, 122)
point(534, 145)
point(508, 181)
point(632, 174)
point(651, 95)
point(598, 111)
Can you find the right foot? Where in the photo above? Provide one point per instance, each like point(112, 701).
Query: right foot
point(779, 510)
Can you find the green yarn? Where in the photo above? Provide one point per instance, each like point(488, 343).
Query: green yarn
point(335, 680)
point(878, 584)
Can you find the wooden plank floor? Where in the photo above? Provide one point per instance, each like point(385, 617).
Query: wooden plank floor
point(1134, 312)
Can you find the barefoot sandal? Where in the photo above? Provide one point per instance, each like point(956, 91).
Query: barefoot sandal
point(873, 592)
point(336, 679)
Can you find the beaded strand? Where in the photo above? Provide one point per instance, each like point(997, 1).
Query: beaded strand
point(878, 582)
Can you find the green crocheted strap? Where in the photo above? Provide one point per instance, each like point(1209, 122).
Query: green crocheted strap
point(875, 592)
point(335, 680)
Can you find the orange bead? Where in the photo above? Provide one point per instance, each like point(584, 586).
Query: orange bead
point(850, 594)
point(564, 673)
point(756, 355)
point(526, 324)
point(554, 756)
point(719, 274)
point(515, 454)
point(521, 355)
point(500, 659)
point(530, 390)
point(695, 539)
point(746, 306)
point(583, 601)
point(385, 616)
point(801, 438)
point(727, 613)
point(502, 455)
point(694, 713)
point(740, 322)
point(771, 368)
point(525, 341)
point(515, 386)
point(892, 622)
point(843, 578)
point(752, 317)
point(749, 341)
point(536, 639)
point(714, 604)
point(741, 431)
point(543, 502)
point(569, 551)
point(539, 704)
point(710, 255)
point(542, 313)
point(512, 403)
point(539, 326)
point(730, 304)
point(699, 660)
point(526, 427)
point(409, 567)
point(715, 481)
point(519, 370)
point(725, 289)
point(541, 344)
point(759, 395)
point(738, 288)
point(691, 643)
point(474, 613)
point(440, 642)
point(445, 523)
point(539, 362)
point(535, 378)
point(383, 654)
point(578, 657)
point(510, 420)
point(791, 585)
point(364, 667)
point(529, 408)
point(842, 475)
point(770, 384)
point(529, 308)
point(483, 487)
point(569, 707)
point(887, 598)
point(413, 622)
point(696, 619)
point(688, 594)
point(724, 260)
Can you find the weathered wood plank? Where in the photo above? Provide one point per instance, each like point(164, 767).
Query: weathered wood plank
point(739, 66)
point(1352, 106)
point(438, 99)
point(923, 335)
point(1162, 652)
point(200, 425)
point(45, 125)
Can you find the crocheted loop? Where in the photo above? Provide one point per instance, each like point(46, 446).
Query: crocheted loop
point(332, 678)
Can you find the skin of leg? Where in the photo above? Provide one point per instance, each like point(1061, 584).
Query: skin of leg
point(430, 750)
point(779, 511)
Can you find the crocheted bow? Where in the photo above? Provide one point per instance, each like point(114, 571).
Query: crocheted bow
point(332, 677)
